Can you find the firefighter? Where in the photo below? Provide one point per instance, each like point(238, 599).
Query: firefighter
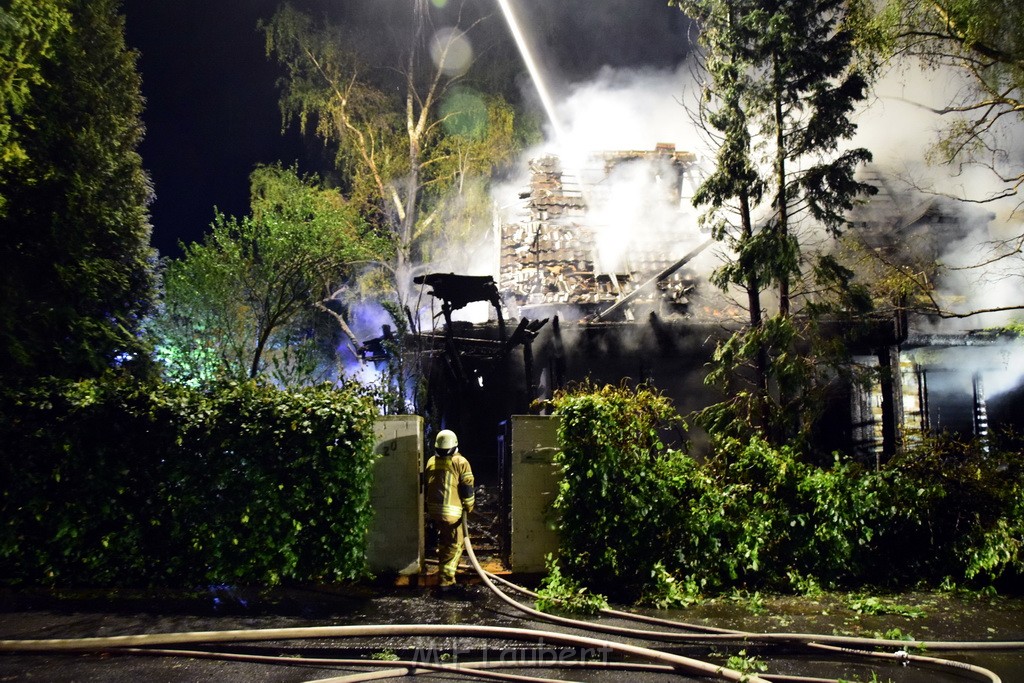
point(449, 484)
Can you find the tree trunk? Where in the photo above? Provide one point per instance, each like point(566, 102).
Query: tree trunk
point(782, 201)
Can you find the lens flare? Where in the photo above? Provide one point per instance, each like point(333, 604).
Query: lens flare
point(451, 51)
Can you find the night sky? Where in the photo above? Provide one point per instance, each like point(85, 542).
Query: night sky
point(211, 93)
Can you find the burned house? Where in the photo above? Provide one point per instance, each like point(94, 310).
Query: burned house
point(561, 310)
point(934, 379)
point(580, 295)
point(568, 253)
point(577, 296)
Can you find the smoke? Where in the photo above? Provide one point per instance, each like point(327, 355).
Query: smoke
point(628, 109)
point(1005, 368)
point(980, 274)
point(903, 127)
point(980, 268)
point(638, 203)
point(367, 320)
point(898, 124)
point(1000, 366)
point(635, 214)
point(613, 99)
point(633, 207)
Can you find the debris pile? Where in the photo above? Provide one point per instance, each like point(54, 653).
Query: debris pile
point(552, 258)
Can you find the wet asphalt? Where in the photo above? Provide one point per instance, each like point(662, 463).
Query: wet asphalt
point(52, 616)
point(42, 616)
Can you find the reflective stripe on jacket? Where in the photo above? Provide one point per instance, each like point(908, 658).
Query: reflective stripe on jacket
point(449, 487)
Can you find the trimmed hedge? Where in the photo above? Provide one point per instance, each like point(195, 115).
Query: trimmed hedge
point(113, 482)
point(638, 519)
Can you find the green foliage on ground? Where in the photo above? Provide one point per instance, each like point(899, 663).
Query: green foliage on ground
point(112, 482)
point(560, 593)
point(639, 520)
point(746, 664)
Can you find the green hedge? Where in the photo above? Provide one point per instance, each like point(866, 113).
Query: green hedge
point(112, 482)
point(637, 519)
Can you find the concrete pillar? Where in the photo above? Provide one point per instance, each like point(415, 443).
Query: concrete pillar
point(395, 541)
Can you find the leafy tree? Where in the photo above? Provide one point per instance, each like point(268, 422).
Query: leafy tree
point(479, 134)
point(76, 271)
point(981, 44)
point(248, 300)
point(410, 161)
point(982, 40)
point(782, 84)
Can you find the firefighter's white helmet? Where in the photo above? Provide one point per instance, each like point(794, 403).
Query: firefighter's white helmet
point(446, 440)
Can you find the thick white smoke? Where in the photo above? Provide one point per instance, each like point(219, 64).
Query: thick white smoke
point(618, 110)
point(636, 109)
point(902, 126)
point(628, 109)
point(980, 270)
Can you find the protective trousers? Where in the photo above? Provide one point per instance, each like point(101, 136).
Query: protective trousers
point(449, 549)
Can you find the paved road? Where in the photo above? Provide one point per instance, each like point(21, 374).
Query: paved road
point(40, 616)
point(43, 617)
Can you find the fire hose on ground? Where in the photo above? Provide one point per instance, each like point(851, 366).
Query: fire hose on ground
point(831, 643)
point(657, 660)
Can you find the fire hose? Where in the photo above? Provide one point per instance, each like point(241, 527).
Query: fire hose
point(658, 661)
point(819, 641)
point(677, 663)
point(114, 643)
point(711, 633)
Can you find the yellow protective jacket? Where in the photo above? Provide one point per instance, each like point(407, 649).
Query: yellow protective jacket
point(449, 482)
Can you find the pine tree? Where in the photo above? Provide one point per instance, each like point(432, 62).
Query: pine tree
point(76, 269)
point(27, 32)
point(783, 83)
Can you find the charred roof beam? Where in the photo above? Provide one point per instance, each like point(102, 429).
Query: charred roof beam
point(621, 303)
point(458, 291)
